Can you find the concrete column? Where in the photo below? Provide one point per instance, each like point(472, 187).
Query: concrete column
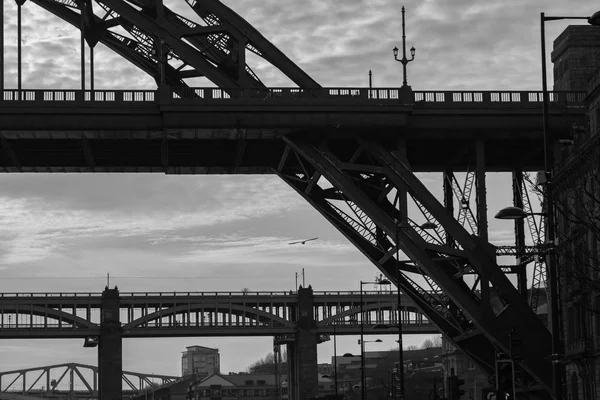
point(110, 348)
point(306, 347)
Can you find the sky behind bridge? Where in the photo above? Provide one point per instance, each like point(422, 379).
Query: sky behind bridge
point(207, 233)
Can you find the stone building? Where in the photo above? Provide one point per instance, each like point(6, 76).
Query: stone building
point(576, 194)
point(200, 361)
point(475, 378)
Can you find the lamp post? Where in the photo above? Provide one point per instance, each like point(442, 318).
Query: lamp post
point(404, 60)
point(362, 333)
point(518, 213)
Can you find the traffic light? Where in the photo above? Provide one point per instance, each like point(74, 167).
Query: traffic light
point(506, 380)
point(454, 387)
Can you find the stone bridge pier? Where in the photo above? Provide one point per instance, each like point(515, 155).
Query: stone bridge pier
point(110, 348)
point(302, 353)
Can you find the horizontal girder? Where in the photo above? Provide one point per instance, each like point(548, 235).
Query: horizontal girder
point(154, 131)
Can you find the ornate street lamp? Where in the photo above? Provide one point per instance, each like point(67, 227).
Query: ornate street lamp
point(404, 60)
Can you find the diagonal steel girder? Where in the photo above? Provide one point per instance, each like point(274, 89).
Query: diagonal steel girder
point(171, 37)
point(243, 31)
point(216, 51)
point(434, 306)
point(128, 48)
point(486, 331)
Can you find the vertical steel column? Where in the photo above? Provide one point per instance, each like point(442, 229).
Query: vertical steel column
point(82, 28)
point(92, 70)
point(19, 49)
point(482, 224)
point(449, 200)
point(519, 231)
point(2, 52)
point(362, 345)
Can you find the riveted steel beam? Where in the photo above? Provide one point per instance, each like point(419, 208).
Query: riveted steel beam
point(241, 29)
point(163, 31)
point(495, 326)
point(130, 49)
point(317, 199)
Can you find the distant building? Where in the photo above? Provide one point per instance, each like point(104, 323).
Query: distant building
point(232, 387)
point(200, 361)
point(475, 378)
point(422, 373)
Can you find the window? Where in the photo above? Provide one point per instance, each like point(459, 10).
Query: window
point(470, 364)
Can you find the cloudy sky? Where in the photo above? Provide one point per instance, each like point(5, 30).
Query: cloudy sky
point(206, 233)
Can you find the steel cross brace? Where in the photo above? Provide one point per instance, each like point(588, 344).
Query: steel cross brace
point(487, 331)
point(130, 49)
point(435, 310)
point(172, 38)
point(517, 313)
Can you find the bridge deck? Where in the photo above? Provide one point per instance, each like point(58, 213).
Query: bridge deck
point(169, 314)
point(214, 131)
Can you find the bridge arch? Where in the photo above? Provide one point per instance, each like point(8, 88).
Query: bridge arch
point(367, 308)
point(51, 313)
point(232, 309)
point(215, 50)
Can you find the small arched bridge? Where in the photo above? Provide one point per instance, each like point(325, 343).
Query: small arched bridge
point(162, 314)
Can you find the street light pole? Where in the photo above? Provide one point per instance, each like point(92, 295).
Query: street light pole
point(400, 349)
point(362, 345)
point(404, 60)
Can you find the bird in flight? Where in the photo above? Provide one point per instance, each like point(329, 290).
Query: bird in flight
point(304, 241)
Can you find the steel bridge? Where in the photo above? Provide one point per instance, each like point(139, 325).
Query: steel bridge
point(71, 380)
point(77, 315)
point(351, 153)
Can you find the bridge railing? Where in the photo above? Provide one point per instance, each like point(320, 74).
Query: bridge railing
point(34, 96)
point(188, 294)
point(358, 95)
point(536, 97)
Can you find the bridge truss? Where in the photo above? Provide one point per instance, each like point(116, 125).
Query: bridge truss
point(77, 315)
point(72, 379)
point(361, 182)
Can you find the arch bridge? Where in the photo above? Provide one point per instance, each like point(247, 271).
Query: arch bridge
point(353, 154)
point(169, 314)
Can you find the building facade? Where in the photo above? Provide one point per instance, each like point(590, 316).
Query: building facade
point(200, 361)
point(476, 380)
point(576, 195)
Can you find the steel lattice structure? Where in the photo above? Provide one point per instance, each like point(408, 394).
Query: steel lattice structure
point(63, 379)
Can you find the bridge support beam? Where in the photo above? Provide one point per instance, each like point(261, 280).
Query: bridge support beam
point(110, 347)
point(303, 382)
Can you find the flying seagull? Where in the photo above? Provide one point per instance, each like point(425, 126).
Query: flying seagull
point(304, 241)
